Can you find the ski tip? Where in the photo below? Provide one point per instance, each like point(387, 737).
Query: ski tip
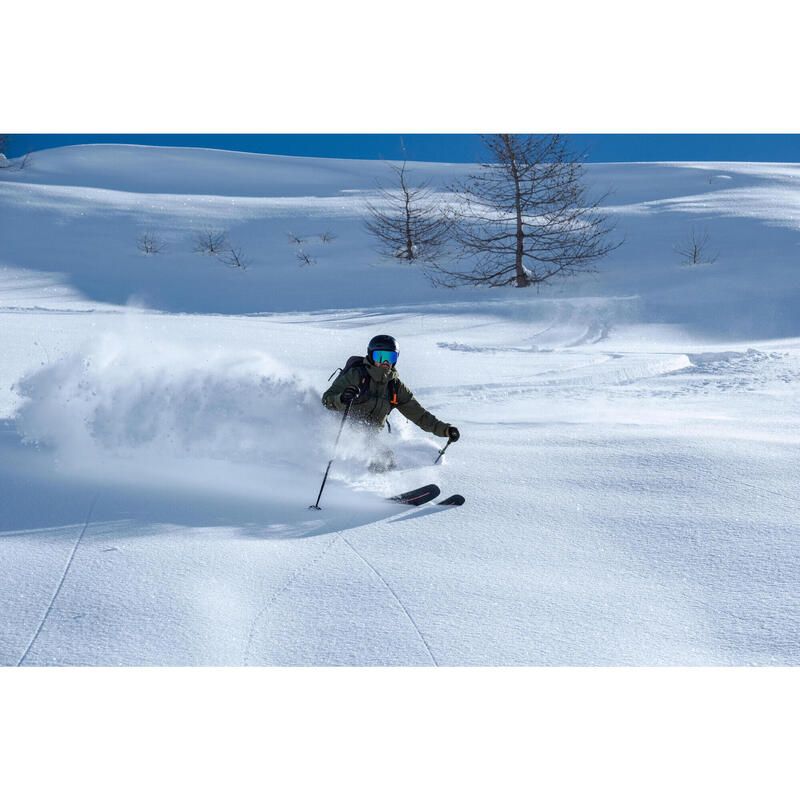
point(453, 500)
point(416, 497)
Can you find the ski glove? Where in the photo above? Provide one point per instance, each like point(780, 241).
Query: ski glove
point(452, 433)
point(349, 394)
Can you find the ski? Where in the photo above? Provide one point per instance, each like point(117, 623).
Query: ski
point(416, 497)
point(453, 500)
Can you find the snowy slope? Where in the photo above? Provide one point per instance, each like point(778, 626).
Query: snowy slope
point(629, 438)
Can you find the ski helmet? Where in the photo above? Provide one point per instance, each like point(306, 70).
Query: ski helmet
point(382, 342)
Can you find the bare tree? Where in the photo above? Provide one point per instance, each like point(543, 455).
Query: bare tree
point(694, 249)
point(235, 258)
point(328, 237)
point(210, 241)
point(408, 224)
point(526, 216)
point(294, 238)
point(150, 244)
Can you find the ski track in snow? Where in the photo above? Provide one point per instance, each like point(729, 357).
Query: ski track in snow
point(396, 597)
point(61, 581)
point(282, 590)
point(793, 500)
point(707, 372)
point(304, 569)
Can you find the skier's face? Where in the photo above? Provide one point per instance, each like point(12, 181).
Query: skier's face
point(384, 359)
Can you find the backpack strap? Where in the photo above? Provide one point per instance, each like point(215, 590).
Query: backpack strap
point(364, 385)
point(358, 363)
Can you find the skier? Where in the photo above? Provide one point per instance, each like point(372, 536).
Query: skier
point(371, 387)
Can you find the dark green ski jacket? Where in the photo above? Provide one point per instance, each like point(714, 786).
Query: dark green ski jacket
point(375, 404)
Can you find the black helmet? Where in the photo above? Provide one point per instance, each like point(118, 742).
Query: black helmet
point(382, 342)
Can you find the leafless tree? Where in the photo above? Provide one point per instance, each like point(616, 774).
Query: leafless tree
point(210, 241)
point(150, 244)
point(695, 250)
point(526, 217)
point(294, 238)
point(328, 237)
point(234, 257)
point(408, 224)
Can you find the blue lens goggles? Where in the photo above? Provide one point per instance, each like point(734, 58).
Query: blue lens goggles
point(384, 355)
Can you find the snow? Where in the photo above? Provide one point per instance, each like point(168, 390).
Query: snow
point(628, 449)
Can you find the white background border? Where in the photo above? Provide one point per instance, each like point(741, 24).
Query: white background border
point(362, 67)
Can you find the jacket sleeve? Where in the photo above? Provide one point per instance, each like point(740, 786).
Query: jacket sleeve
point(330, 399)
point(408, 406)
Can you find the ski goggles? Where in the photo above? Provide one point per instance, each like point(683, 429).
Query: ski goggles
point(379, 356)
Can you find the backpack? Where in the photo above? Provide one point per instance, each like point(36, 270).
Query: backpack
point(358, 361)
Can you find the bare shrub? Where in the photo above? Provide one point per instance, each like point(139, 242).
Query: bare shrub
point(235, 258)
point(210, 242)
point(150, 244)
point(695, 249)
point(304, 259)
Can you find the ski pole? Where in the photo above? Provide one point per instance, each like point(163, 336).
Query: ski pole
point(441, 452)
point(335, 444)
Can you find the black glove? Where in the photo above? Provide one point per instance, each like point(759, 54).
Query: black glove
point(452, 433)
point(349, 394)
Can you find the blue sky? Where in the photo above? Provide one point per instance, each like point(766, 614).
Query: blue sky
point(452, 147)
